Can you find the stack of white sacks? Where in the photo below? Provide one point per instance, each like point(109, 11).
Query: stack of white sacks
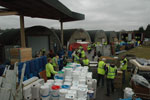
point(75, 83)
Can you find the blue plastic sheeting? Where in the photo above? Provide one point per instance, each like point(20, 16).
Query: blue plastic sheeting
point(2, 68)
point(33, 67)
point(131, 99)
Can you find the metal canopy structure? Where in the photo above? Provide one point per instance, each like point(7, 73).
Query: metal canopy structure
point(48, 9)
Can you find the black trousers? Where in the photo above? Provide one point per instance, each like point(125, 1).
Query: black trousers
point(100, 78)
point(123, 76)
point(110, 84)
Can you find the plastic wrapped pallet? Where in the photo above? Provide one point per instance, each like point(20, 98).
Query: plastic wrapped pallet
point(140, 80)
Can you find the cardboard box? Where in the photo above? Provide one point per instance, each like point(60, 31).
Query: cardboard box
point(20, 55)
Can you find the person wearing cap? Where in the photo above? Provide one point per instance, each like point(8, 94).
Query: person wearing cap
point(101, 71)
point(111, 72)
point(50, 72)
point(124, 64)
point(85, 61)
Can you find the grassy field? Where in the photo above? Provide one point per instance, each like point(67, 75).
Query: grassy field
point(140, 52)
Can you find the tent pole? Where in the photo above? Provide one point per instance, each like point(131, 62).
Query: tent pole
point(62, 33)
point(23, 43)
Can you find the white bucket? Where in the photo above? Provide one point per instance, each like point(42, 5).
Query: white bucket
point(75, 83)
point(68, 80)
point(69, 96)
point(55, 92)
point(73, 92)
point(82, 92)
point(62, 94)
point(59, 84)
point(50, 81)
point(82, 81)
point(68, 71)
point(68, 83)
point(58, 81)
point(44, 92)
point(82, 86)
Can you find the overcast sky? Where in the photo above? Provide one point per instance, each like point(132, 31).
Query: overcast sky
point(99, 14)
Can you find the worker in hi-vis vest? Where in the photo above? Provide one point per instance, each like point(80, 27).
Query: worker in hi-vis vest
point(76, 58)
point(89, 48)
point(111, 72)
point(55, 62)
point(101, 71)
point(124, 64)
point(82, 53)
point(50, 72)
point(85, 61)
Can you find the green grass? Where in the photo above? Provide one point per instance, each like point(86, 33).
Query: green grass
point(140, 52)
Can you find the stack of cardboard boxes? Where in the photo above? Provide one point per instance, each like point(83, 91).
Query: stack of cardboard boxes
point(20, 54)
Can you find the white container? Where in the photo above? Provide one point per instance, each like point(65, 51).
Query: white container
point(29, 97)
point(68, 77)
point(82, 86)
point(68, 80)
point(55, 93)
point(128, 93)
point(59, 84)
point(68, 83)
point(94, 84)
point(73, 92)
point(62, 94)
point(45, 98)
point(82, 92)
point(35, 90)
point(74, 88)
point(75, 76)
point(90, 86)
point(82, 81)
point(44, 92)
point(68, 71)
point(50, 81)
point(69, 96)
point(75, 83)
point(58, 81)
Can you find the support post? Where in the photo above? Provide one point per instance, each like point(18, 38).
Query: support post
point(23, 43)
point(62, 33)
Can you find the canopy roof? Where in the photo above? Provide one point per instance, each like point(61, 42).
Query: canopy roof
point(49, 9)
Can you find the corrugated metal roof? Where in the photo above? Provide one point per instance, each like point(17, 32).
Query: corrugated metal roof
point(49, 9)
